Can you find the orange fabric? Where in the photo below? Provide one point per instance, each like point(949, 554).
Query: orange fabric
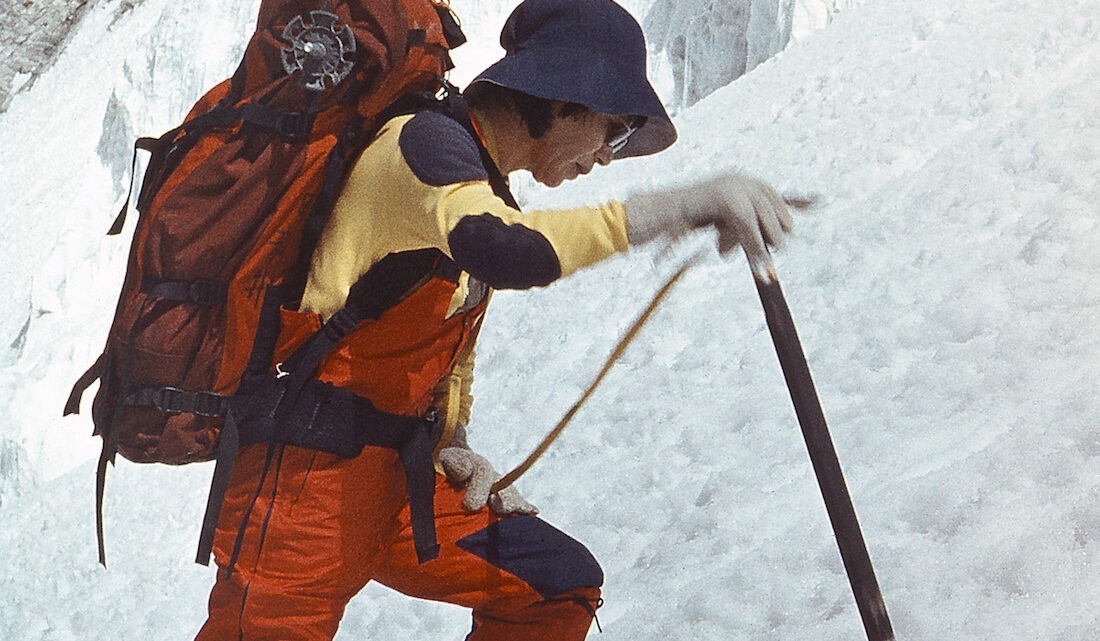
point(397, 360)
point(271, 258)
point(320, 528)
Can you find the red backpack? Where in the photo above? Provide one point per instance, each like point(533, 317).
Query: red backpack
point(230, 208)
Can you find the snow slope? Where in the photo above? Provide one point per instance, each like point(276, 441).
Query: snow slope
point(945, 289)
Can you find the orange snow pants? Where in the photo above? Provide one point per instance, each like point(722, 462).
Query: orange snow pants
point(318, 528)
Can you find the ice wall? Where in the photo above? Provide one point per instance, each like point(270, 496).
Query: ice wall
point(699, 46)
point(707, 44)
point(31, 36)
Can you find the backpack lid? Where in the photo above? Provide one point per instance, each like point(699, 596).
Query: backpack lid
point(307, 56)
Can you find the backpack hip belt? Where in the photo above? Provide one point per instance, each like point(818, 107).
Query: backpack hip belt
point(329, 419)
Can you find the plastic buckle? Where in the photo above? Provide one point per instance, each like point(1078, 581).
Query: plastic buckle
point(340, 324)
point(173, 400)
point(210, 404)
point(169, 400)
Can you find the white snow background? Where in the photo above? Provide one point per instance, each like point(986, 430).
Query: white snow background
point(945, 288)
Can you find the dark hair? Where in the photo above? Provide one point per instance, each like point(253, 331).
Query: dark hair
point(536, 113)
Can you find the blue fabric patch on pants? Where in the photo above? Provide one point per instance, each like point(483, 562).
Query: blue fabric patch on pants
point(547, 559)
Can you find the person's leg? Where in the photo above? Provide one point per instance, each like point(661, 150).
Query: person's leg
point(524, 579)
point(317, 526)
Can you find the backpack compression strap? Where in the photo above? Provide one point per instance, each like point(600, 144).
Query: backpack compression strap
point(293, 126)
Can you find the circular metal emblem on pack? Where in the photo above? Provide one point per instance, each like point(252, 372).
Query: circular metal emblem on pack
point(319, 51)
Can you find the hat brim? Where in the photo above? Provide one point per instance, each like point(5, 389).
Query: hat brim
point(596, 83)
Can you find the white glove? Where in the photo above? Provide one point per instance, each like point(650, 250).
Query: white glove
point(466, 467)
point(746, 212)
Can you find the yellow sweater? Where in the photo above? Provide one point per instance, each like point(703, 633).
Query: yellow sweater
point(410, 189)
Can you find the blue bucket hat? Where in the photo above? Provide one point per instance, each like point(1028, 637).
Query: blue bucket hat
point(589, 52)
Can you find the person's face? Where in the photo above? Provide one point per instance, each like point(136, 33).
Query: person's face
point(574, 144)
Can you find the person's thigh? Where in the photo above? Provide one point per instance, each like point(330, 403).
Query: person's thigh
point(301, 532)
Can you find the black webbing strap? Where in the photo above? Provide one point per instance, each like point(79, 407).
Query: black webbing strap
point(152, 145)
point(174, 400)
point(268, 329)
point(263, 346)
point(456, 107)
point(228, 444)
point(293, 126)
point(106, 455)
point(383, 286)
point(336, 166)
point(200, 291)
point(416, 458)
point(204, 557)
point(94, 373)
point(110, 431)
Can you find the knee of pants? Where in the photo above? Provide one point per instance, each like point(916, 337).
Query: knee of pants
point(551, 562)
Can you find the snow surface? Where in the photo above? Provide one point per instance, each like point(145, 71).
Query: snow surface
point(946, 291)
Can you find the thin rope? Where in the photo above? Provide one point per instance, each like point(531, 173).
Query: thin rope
point(624, 342)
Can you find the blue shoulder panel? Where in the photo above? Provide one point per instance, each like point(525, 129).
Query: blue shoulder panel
point(440, 151)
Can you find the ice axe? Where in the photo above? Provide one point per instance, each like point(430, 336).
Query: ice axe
point(838, 503)
point(830, 478)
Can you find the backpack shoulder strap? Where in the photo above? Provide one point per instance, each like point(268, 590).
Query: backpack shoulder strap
point(450, 102)
point(454, 105)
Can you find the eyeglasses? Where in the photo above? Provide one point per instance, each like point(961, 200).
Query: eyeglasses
point(619, 132)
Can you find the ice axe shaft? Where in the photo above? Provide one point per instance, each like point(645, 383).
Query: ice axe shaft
point(830, 478)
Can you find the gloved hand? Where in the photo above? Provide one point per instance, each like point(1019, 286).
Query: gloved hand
point(466, 467)
point(746, 212)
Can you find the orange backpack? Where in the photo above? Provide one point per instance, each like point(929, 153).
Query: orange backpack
point(230, 208)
